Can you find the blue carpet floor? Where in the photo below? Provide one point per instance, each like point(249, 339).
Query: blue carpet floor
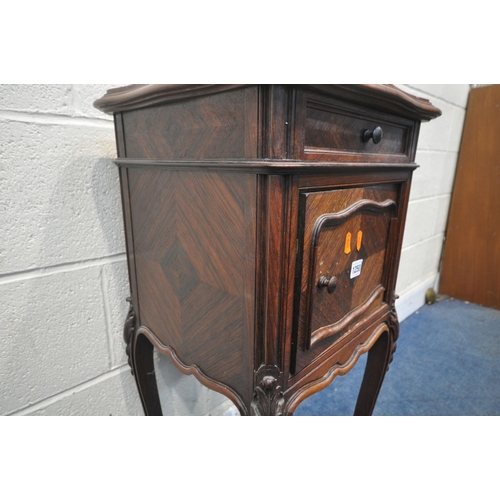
point(447, 363)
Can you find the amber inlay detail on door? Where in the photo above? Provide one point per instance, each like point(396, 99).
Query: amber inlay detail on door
point(359, 241)
point(347, 248)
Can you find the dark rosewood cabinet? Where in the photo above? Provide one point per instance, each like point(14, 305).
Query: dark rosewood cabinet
point(264, 226)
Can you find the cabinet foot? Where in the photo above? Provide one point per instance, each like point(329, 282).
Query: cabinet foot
point(144, 373)
point(140, 358)
point(379, 358)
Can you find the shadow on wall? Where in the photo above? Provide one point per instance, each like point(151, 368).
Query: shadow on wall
point(57, 335)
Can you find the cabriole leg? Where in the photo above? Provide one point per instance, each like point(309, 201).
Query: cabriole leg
point(376, 367)
point(379, 359)
point(144, 373)
point(140, 358)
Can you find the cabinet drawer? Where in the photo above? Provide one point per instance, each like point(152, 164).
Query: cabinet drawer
point(330, 130)
point(342, 273)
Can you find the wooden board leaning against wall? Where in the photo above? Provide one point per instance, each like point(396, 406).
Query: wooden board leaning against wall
point(471, 259)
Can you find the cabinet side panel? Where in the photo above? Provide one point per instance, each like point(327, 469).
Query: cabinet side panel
point(216, 126)
point(194, 236)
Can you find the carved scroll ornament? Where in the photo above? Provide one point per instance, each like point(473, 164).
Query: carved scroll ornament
point(268, 397)
point(128, 331)
point(393, 324)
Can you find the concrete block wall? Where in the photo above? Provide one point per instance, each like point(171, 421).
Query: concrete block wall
point(430, 198)
point(63, 277)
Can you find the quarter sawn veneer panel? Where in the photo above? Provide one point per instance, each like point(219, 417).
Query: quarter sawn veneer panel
point(214, 126)
point(194, 240)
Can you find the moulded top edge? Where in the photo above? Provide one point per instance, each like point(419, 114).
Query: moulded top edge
point(384, 96)
point(140, 96)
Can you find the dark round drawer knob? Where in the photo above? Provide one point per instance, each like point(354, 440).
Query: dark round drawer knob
point(330, 284)
point(377, 134)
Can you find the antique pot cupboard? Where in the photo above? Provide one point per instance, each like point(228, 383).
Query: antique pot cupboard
point(264, 226)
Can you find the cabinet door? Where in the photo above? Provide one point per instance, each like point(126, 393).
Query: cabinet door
point(342, 273)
